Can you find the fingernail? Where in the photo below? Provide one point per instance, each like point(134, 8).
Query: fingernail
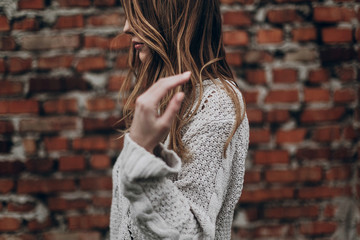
point(187, 74)
point(180, 96)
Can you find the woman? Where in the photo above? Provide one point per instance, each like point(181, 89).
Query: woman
point(181, 170)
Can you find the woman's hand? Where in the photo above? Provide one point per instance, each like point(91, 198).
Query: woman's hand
point(148, 128)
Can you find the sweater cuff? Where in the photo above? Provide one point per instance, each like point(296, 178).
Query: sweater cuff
point(137, 163)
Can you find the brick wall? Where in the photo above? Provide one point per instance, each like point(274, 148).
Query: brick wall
point(295, 60)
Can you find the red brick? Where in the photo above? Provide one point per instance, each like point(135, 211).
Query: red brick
point(71, 163)
point(265, 195)
point(285, 75)
point(251, 96)
point(26, 24)
point(345, 95)
point(17, 207)
point(319, 76)
point(9, 224)
point(115, 83)
point(329, 211)
point(6, 185)
point(10, 88)
point(47, 125)
point(291, 212)
point(346, 74)
point(336, 35)
point(113, 19)
point(237, 18)
point(74, 3)
point(97, 124)
point(271, 157)
point(256, 76)
point(96, 143)
point(122, 61)
point(64, 22)
point(283, 16)
point(57, 84)
point(88, 222)
point(304, 34)
point(339, 53)
point(121, 41)
point(4, 23)
point(316, 95)
point(100, 104)
point(6, 127)
point(282, 96)
point(333, 14)
point(2, 64)
point(55, 143)
point(323, 192)
point(277, 116)
point(255, 115)
point(96, 183)
point(342, 154)
point(290, 136)
point(104, 3)
point(88, 235)
point(93, 63)
point(39, 165)
point(61, 106)
point(305, 174)
point(265, 36)
point(45, 185)
point(252, 177)
point(327, 134)
point(7, 43)
point(349, 133)
point(236, 38)
point(338, 173)
point(19, 106)
point(234, 58)
point(46, 42)
point(96, 42)
point(36, 226)
point(18, 65)
point(317, 228)
point(259, 136)
point(99, 201)
point(62, 204)
point(11, 167)
point(31, 4)
point(322, 115)
point(49, 63)
point(100, 161)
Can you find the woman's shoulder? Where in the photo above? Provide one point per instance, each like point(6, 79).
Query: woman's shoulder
point(217, 100)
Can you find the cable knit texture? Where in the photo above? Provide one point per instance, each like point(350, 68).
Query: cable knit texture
point(161, 198)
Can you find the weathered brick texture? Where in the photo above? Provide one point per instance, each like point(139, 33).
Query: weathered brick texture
point(297, 62)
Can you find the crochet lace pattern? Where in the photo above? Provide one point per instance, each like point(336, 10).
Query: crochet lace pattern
point(161, 198)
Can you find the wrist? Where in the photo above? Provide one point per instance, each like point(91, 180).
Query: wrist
point(140, 141)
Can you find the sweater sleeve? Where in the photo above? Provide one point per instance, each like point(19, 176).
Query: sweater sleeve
point(187, 207)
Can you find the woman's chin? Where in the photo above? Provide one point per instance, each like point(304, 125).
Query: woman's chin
point(143, 56)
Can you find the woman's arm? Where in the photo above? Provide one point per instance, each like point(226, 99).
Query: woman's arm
point(189, 206)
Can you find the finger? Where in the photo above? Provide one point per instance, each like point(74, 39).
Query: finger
point(160, 88)
point(172, 109)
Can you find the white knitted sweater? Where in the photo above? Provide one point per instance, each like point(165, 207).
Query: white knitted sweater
point(161, 198)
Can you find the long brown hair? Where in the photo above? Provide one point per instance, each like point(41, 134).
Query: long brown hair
point(183, 35)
